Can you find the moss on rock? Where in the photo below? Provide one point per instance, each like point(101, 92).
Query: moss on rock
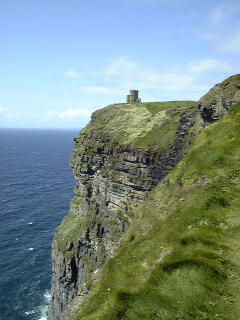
point(140, 125)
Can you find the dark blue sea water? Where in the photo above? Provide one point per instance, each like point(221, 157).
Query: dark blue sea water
point(36, 184)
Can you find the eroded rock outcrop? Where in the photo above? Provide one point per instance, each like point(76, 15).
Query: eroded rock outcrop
point(220, 99)
point(112, 177)
point(122, 154)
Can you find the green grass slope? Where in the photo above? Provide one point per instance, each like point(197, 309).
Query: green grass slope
point(138, 124)
point(180, 258)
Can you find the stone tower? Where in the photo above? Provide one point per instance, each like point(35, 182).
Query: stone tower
point(133, 97)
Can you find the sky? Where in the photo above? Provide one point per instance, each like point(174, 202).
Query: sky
point(62, 59)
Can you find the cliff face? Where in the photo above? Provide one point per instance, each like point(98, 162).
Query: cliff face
point(180, 257)
point(118, 158)
point(220, 99)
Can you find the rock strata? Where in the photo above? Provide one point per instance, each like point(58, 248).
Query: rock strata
point(111, 180)
point(220, 99)
point(121, 155)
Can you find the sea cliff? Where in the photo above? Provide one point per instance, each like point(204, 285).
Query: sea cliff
point(124, 152)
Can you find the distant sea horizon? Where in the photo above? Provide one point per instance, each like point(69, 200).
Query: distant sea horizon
point(40, 128)
point(36, 186)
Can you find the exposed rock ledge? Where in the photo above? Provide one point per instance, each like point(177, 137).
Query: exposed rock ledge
point(123, 153)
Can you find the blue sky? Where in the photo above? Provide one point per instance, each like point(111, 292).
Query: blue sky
point(60, 60)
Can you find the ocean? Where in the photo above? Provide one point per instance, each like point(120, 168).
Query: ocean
point(36, 185)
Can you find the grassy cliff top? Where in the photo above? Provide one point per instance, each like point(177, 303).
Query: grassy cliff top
point(151, 124)
point(180, 258)
point(139, 125)
point(224, 90)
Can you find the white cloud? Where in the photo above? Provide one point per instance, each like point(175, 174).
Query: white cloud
point(157, 1)
point(223, 28)
point(100, 90)
point(217, 15)
point(12, 115)
point(72, 74)
point(3, 110)
point(50, 114)
point(126, 74)
point(70, 113)
point(207, 65)
point(120, 66)
point(232, 44)
point(223, 12)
